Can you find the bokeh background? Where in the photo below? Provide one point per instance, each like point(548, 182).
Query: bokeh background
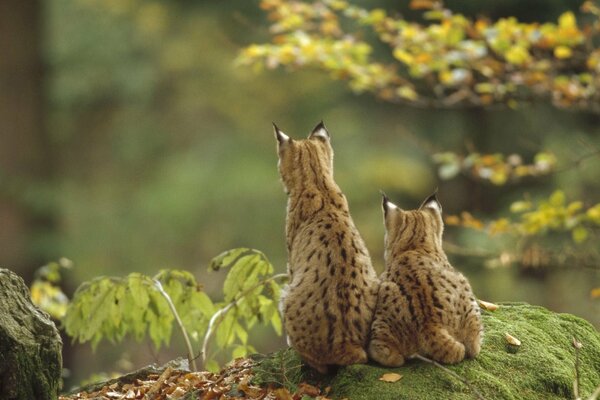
point(131, 141)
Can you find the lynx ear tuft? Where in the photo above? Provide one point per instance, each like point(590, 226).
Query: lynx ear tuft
point(432, 202)
point(319, 131)
point(280, 136)
point(386, 204)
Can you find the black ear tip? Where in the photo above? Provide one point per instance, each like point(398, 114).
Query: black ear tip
point(384, 197)
point(275, 126)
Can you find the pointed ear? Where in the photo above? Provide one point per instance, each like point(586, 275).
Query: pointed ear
point(432, 202)
point(387, 205)
point(319, 131)
point(281, 137)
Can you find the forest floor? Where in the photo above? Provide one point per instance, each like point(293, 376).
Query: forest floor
point(232, 382)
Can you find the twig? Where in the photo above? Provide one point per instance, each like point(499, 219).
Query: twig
point(191, 358)
point(454, 374)
point(216, 319)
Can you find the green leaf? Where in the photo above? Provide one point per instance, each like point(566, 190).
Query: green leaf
point(276, 323)
point(239, 351)
point(247, 270)
point(138, 286)
point(227, 258)
point(579, 234)
point(557, 199)
point(202, 302)
point(520, 206)
point(241, 333)
point(224, 332)
point(211, 366)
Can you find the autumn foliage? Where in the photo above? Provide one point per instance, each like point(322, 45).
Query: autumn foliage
point(444, 60)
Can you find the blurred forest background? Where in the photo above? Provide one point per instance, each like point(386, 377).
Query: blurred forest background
point(132, 140)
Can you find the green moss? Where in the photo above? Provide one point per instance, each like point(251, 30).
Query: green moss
point(30, 345)
point(542, 368)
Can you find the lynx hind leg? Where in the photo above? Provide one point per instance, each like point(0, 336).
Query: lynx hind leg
point(350, 354)
point(385, 347)
point(441, 346)
point(473, 331)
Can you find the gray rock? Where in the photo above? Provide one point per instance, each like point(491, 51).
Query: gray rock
point(30, 345)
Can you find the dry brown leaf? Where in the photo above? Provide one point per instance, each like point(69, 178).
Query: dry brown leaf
point(512, 340)
point(487, 305)
point(390, 377)
point(310, 390)
point(282, 394)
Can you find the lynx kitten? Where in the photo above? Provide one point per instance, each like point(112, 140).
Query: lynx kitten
point(424, 305)
point(329, 301)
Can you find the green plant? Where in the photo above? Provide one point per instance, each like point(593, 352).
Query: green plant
point(112, 308)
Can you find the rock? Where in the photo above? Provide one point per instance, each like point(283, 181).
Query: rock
point(30, 345)
point(543, 367)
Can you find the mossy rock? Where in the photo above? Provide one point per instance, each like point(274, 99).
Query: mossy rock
point(30, 345)
point(543, 367)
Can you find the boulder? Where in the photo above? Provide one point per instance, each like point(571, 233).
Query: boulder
point(30, 345)
point(542, 367)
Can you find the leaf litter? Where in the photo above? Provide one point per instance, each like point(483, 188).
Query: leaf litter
point(232, 382)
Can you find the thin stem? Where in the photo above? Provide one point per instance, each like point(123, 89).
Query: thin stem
point(190, 350)
point(454, 374)
point(216, 319)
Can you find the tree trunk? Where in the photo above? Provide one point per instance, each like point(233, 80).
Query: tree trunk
point(24, 148)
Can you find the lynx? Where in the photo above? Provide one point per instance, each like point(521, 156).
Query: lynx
point(424, 305)
point(328, 305)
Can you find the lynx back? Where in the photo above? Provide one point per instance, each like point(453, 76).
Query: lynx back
point(328, 304)
point(424, 305)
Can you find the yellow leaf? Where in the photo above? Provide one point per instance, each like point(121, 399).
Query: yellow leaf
point(512, 340)
point(595, 293)
point(488, 306)
point(404, 56)
point(567, 20)
point(517, 55)
point(562, 52)
point(579, 234)
point(390, 377)
point(422, 4)
point(452, 220)
point(406, 92)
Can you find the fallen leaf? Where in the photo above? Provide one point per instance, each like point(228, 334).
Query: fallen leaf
point(512, 340)
point(577, 344)
point(282, 394)
point(390, 377)
point(488, 306)
point(310, 390)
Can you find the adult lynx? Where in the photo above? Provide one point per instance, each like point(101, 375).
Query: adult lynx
point(328, 304)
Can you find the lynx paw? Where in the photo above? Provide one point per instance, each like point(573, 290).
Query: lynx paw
point(384, 354)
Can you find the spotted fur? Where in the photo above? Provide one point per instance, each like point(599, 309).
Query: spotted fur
point(424, 305)
point(328, 304)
